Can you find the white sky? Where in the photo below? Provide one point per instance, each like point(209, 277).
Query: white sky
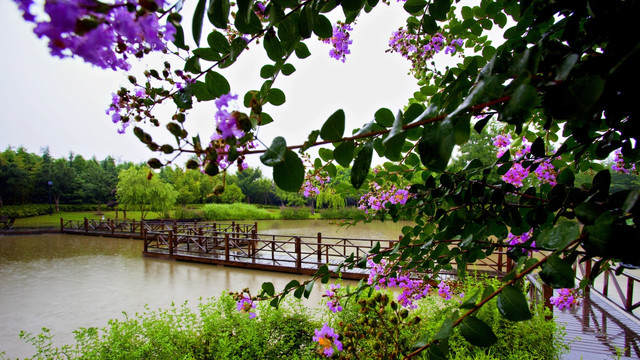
point(47, 101)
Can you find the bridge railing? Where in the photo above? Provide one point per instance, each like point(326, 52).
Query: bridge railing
point(624, 285)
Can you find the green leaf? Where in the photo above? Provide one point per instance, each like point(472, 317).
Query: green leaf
point(446, 330)
point(322, 27)
point(308, 288)
point(198, 16)
point(436, 145)
point(201, 92)
point(520, 105)
point(289, 174)
point(559, 236)
point(273, 47)
point(268, 288)
point(306, 21)
point(333, 128)
point(216, 84)
point(558, 273)
point(326, 154)
point(292, 284)
point(218, 42)
point(414, 7)
point(275, 154)
point(361, 165)
point(477, 332)
point(343, 153)
point(207, 54)
point(513, 305)
point(439, 9)
point(384, 117)
point(302, 51)
point(395, 140)
point(218, 13)
point(192, 65)
point(276, 97)
point(288, 69)
point(267, 71)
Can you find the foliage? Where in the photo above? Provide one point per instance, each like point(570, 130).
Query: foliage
point(294, 213)
point(139, 189)
point(184, 213)
point(236, 211)
point(232, 194)
point(218, 330)
point(343, 213)
point(561, 85)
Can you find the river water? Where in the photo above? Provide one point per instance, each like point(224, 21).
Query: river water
point(64, 282)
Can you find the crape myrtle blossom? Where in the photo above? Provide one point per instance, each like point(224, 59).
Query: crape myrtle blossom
point(514, 240)
point(313, 184)
point(515, 175)
point(546, 173)
point(340, 41)
point(502, 142)
point(412, 290)
point(566, 299)
point(378, 197)
point(328, 340)
point(619, 165)
point(333, 303)
point(105, 35)
point(228, 132)
point(420, 49)
point(245, 305)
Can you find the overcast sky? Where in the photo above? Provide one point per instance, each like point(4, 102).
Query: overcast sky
point(61, 104)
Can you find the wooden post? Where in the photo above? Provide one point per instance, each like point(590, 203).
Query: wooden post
point(141, 225)
point(587, 274)
point(170, 244)
point(226, 247)
point(298, 254)
point(146, 243)
point(255, 226)
point(254, 240)
point(61, 224)
point(319, 248)
point(500, 260)
point(629, 303)
point(605, 284)
point(547, 293)
point(133, 227)
point(113, 226)
point(86, 225)
point(273, 248)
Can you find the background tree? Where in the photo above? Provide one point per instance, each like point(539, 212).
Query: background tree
point(139, 189)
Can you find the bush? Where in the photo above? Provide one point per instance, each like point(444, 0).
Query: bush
point(184, 213)
point(238, 211)
point(294, 213)
point(344, 213)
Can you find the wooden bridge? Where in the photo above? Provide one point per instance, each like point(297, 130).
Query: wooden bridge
point(605, 323)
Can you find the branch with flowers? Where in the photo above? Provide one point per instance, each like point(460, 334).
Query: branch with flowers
point(558, 87)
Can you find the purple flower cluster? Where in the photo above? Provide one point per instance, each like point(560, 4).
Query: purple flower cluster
point(103, 35)
point(378, 198)
point(226, 122)
point(514, 240)
point(245, 305)
point(502, 142)
point(328, 340)
point(546, 173)
point(340, 41)
point(619, 164)
point(412, 290)
point(417, 50)
point(333, 303)
point(515, 175)
point(444, 291)
point(313, 184)
point(566, 299)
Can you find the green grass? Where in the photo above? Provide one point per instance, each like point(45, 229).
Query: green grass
point(54, 219)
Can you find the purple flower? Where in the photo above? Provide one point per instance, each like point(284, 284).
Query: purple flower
point(245, 305)
point(340, 41)
point(546, 173)
point(619, 165)
point(444, 291)
point(328, 340)
point(520, 239)
point(226, 122)
point(566, 299)
point(515, 175)
point(333, 304)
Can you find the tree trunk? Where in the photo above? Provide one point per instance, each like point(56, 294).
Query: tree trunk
point(57, 201)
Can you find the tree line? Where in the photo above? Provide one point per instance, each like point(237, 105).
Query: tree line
point(29, 178)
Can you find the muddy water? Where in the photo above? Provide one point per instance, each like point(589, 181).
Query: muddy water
point(63, 282)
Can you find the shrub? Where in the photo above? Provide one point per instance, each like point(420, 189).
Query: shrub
point(184, 213)
point(294, 213)
point(236, 211)
point(343, 213)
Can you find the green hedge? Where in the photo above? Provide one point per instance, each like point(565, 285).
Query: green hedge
point(238, 211)
point(294, 213)
point(344, 213)
point(28, 210)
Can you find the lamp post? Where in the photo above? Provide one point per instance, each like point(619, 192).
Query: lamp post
point(50, 183)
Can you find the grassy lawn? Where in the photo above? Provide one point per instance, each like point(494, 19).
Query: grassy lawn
point(54, 220)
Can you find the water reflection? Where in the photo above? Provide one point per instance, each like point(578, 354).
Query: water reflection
point(63, 282)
